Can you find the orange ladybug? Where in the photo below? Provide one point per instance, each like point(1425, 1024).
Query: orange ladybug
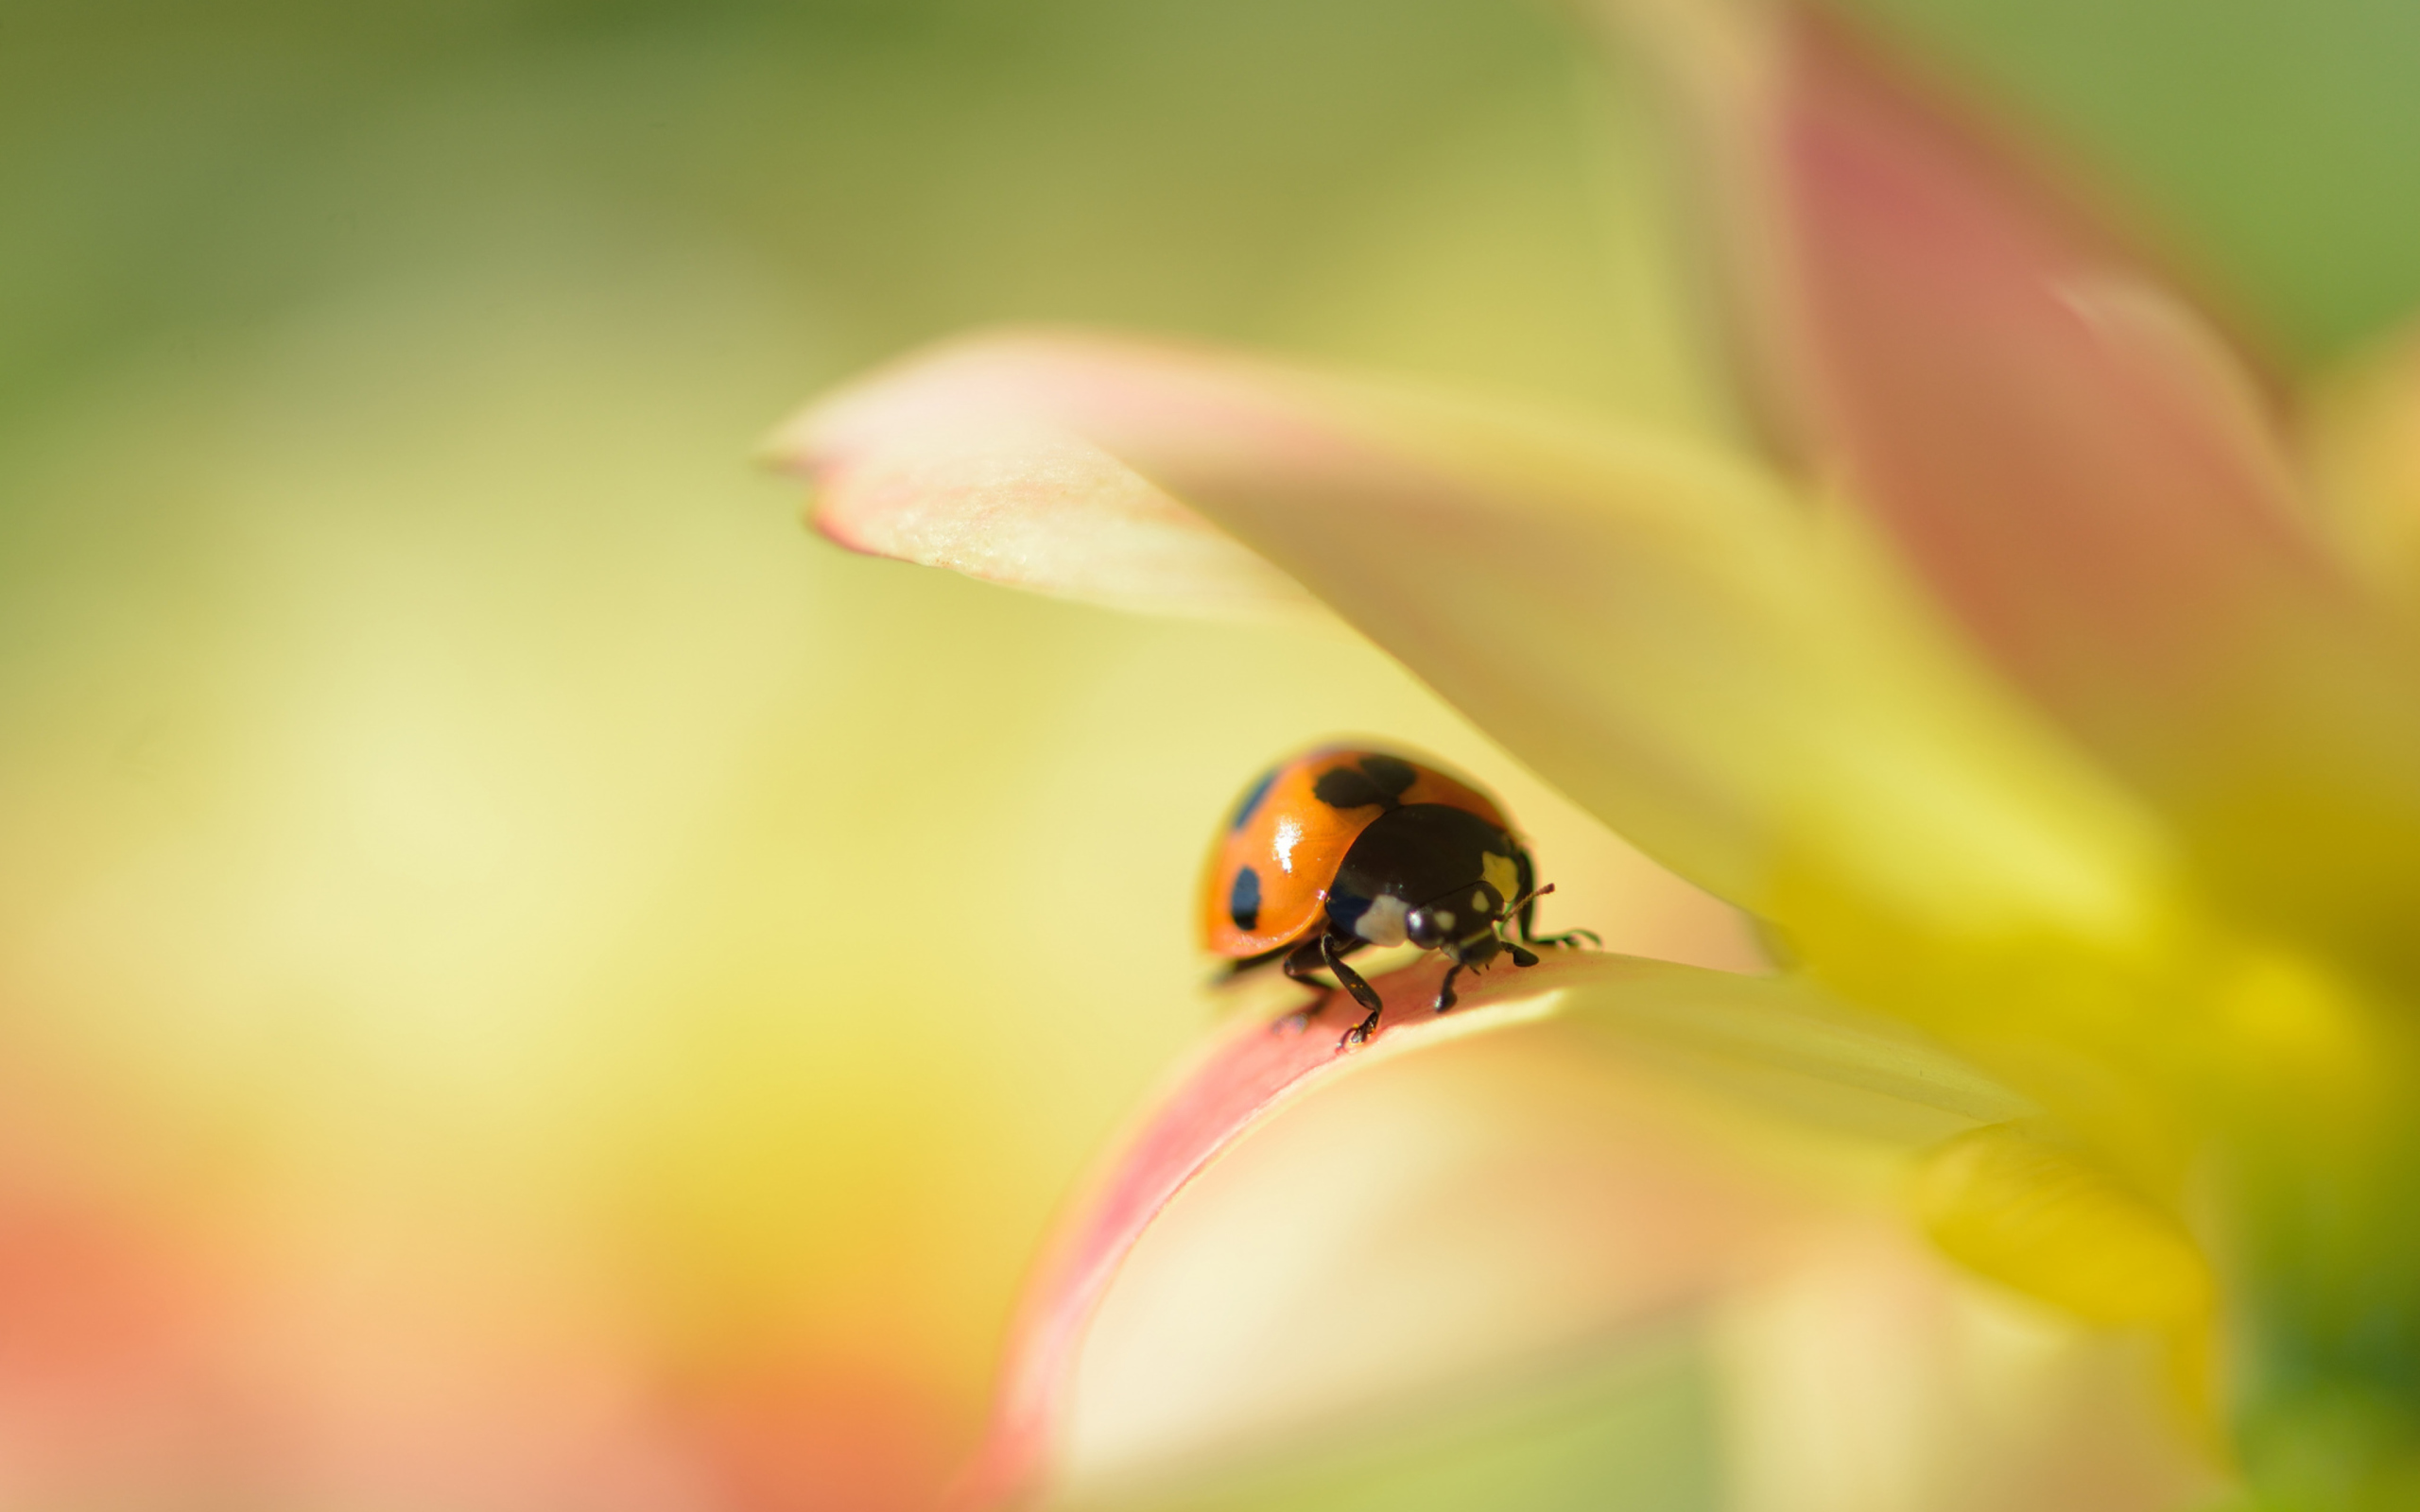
point(1347, 847)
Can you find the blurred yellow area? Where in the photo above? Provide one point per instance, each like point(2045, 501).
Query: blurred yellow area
point(525, 978)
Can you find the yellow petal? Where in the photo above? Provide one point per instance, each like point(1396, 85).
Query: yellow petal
point(2042, 1216)
point(1665, 633)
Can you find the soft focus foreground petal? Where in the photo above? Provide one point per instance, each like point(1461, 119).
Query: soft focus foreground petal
point(1782, 1039)
point(1868, 1376)
point(2083, 475)
point(1666, 636)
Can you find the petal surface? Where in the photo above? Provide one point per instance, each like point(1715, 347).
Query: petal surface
point(1667, 635)
point(2081, 471)
point(1784, 1039)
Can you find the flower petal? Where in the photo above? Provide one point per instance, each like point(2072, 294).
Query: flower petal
point(2045, 1218)
point(1407, 1249)
point(1791, 1042)
point(2085, 479)
point(1662, 633)
point(950, 473)
point(2364, 441)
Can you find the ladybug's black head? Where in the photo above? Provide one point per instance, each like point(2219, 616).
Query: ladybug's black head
point(1457, 921)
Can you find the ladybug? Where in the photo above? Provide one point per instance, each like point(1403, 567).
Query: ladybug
point(1347, 847)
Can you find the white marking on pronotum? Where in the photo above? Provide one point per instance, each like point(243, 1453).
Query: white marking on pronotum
point(1381, 923)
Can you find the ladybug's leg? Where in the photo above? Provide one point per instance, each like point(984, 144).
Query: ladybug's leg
point(1299, 965)
point(1470, 954)
point(1569, 938)
point(1362, 991)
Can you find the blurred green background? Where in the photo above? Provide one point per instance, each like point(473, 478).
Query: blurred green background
point(561, 957)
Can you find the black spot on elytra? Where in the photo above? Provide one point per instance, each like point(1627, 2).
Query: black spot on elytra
point(1243, 900)
point(1394, 777)
point(1377, 779)
point(1249, 804)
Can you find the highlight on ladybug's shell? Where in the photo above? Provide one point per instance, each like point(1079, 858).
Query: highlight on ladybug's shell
point(1347, 847)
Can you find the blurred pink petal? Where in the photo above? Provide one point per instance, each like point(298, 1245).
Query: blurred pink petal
point(2085, 477)
point(817, 1432)
point(1765, 1031)
point(151, 1362)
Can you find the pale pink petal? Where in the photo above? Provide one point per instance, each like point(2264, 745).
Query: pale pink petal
point(1660, 632)
point(1410, 1248)
point(2089, 482)
point(1775, 1033)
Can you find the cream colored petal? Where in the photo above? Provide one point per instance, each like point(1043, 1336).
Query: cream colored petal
point(1668, 635)
point(2084, 474)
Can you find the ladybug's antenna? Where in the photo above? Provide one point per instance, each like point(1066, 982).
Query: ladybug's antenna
point(1527, 899)
point(1512, 912)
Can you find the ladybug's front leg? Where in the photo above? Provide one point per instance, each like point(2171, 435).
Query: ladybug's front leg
point(1474, 954)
